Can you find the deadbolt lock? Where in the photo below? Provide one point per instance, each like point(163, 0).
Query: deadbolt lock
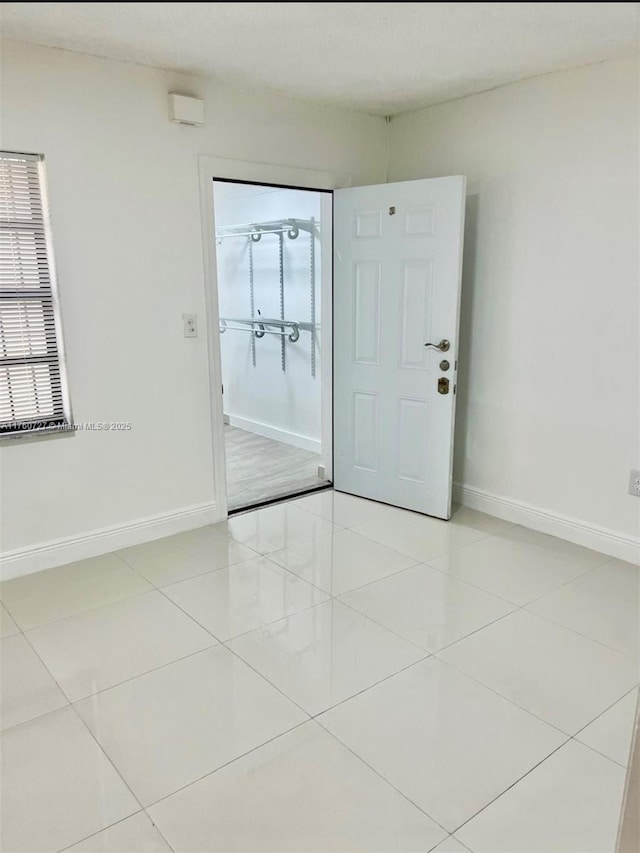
point(443, 385)
point(444, 364)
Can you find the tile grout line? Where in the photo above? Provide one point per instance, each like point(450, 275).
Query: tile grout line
point(98, 744)
point(515, 607)
point(551, 547)
point(312, 718)
point(256, 555)
point(514, 604)
point(272, 565)
point(521, 707)
point(89, 610)
point(490, 592)
point(142, 674)
point(236, 655)
point(550, 621)
point(433, 556)
point(567, 582)
point(93, 834)
point(284, 734)
point(568, 738)
point(428, 654)
point(217, 641)
point(595, 719)
point(143, 808)
point(70, 704)
point(535, 767)
point(58, 583)
point(117, 823)
point(383, 778)
point(331, 598)
point(425, 561)
point(337, 595)
point(513, 784)
point(264, 625)
point(606, 710)
point(501, 696)
point(524, 607)
point(73, 702)
point(371, 686)
point(266, 555)
point(67, 704)
point(484, 589)
point(464, 846)
point(601, 754)
point(228, 763)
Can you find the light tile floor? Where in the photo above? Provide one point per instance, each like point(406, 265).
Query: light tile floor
point(328, 674)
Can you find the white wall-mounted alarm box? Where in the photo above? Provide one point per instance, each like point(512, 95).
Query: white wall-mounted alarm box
point(186, 110)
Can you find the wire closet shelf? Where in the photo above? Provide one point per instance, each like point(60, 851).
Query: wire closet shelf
point(260, 326)
point(255, 230)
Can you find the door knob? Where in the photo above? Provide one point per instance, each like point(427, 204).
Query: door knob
point(443, 346)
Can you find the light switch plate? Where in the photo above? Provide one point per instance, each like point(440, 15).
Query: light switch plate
point(190, 323)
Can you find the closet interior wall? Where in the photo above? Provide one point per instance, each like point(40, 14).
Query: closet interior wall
point(263, 398)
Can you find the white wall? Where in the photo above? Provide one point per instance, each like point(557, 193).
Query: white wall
point(548, 383)
point(548, 404)
point(263, 399)
point(124, 198)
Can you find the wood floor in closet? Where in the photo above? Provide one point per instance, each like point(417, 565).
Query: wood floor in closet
point(259, 468)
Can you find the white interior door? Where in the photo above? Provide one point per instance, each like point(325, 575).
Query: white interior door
point(397, 273)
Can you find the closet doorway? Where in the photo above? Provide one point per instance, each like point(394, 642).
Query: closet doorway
point(274, 306)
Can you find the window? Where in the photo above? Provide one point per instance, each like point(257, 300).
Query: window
point(33, 393)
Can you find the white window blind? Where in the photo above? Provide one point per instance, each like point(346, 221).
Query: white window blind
point(33, 394)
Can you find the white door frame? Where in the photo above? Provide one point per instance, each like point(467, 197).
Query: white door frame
point(211, 168)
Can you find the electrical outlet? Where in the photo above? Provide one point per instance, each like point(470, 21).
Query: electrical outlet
point(634, 483)
point(190, 323)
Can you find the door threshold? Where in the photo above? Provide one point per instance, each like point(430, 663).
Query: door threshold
point(281, 499)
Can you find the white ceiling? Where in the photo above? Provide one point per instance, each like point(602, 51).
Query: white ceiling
point(381, 58)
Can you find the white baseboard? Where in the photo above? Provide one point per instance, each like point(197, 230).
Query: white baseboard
point(292, 438)
point(602, 539)
point(57, 552)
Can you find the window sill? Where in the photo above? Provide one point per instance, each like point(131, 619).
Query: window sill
point(56, 431)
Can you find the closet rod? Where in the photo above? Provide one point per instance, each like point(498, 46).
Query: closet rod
point(269, 321)
point(293, 337)
point(262, 324)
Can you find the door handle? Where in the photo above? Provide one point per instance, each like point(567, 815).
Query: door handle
point(443, 346)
